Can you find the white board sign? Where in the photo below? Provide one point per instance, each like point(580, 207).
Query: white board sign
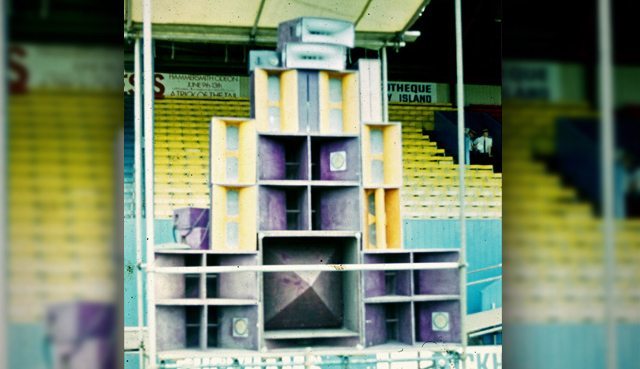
point(412, 92)
point(189, 85)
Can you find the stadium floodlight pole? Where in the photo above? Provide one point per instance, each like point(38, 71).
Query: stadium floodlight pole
point(385, 86)
point(147, 58)
point(461, 179)
point(605, 58)
point(137, 198)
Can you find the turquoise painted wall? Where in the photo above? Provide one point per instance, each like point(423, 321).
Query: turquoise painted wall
point(568, 346)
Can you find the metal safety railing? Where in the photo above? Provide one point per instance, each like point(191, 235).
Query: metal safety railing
point(485, 280)
point(412, 360)
point(304, 268)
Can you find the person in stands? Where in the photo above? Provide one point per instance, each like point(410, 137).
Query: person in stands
point(483, 145)
point(469, 147)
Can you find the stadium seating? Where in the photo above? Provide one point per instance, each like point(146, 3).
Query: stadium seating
point(431, 188)
point(61, 195)
point(552, 236)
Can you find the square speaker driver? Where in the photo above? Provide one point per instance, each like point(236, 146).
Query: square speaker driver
point(338, 161)
point(440, 321)
point(240, 327)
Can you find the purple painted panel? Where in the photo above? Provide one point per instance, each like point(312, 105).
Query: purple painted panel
point(303, 205)
point(185, 219)
point(350, 171)
point(374, 324)
point(238, 285)
point(434, 282)
point(303, 154)
point(374, 283)
point(272, 202)
point(69, 322)
point(380, 283)
point(336, 209)
point(271, 158)
point(377, 327)
point(282, 158)
point(240, 340)
point(283, 208)
point(170, 328)
point(405, 324)
point(374, 280)
point(425, 331)
point(403, 283)
point(197, 238)
point(437, 282)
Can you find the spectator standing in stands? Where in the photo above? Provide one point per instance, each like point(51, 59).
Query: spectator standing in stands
point(483, 145)
point(469, 146)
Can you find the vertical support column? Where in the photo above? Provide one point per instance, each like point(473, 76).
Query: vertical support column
point(148, 178)
point(204, 322)
point(461, 175)
point(605, 59)
point(137, 198)
point(385, 83)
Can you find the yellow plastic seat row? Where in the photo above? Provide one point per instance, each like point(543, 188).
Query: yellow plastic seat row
point(170, 123)
point(177, 192)
point(418, 143)
point(219, 110)
point(44, 171)
point(420, 166)
point(180, 145)
point(409, 157)
point(186, 157)
point(181, 152)
point(200, 104)
point(177, 137)
point(172, 134)
point(179, 142)
point(182, 182)
point(178, 172)
point(47, 143)
point(199, 167)
point(160, 128)
point(422, 150)
point(181, 171)
point(197, 156)
point(61, 252)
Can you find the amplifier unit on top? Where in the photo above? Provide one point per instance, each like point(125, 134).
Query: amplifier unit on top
point(314, 56)
point(263, 59)
point(316, 30)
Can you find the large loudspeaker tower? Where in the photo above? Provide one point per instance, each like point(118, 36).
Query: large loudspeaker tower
point(314, 177)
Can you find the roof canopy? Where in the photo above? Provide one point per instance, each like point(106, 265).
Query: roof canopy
point(377, 22)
